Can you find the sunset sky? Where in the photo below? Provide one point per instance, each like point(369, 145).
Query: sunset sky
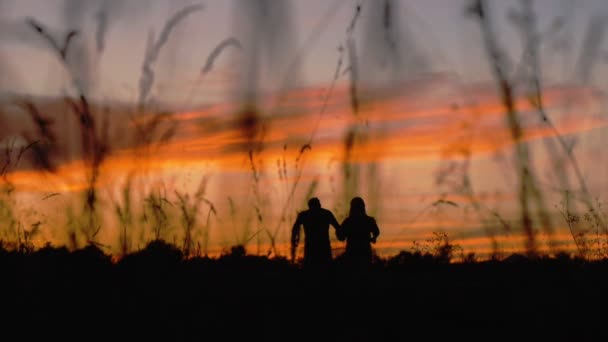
point(403, 110)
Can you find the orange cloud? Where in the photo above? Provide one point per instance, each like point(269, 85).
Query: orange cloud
point(393, 126)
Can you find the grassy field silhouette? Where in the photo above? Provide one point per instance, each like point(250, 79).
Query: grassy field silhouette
point(158, 294)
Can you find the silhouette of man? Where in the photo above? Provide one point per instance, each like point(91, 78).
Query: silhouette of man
point(316, 221)
point(360, 231)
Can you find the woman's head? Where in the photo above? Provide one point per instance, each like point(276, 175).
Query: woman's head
point(357, 207)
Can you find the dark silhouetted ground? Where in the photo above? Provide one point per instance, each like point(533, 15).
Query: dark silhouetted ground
point(52, 294)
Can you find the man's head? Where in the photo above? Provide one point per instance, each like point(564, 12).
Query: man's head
point(314, 203)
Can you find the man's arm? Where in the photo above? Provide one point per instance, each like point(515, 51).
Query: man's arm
point(295, 237)
point(333, 221)
point(336, 225)
point(295, 231)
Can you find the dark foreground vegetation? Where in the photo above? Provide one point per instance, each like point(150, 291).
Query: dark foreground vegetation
point(156, 294)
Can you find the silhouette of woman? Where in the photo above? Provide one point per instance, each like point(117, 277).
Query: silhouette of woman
point(359, 231)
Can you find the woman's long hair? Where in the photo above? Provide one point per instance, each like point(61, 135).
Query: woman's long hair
point(357, 207)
